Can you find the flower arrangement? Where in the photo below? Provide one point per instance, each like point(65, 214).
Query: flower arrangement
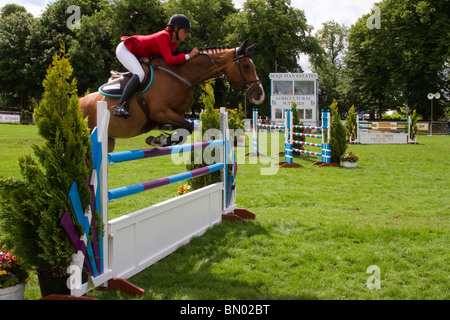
point(12, 272)
point(350, 157)
point(183, 189)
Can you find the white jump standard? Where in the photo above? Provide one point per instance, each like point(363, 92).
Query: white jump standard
point(289, 141)
point(135, 241)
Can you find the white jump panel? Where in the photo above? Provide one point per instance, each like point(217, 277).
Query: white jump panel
point(141, 238)
point(383, 138)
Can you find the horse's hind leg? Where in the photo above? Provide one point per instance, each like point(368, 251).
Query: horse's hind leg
point(111, 144)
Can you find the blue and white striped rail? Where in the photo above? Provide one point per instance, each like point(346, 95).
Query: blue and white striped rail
point(308, 144)
point(309, 153)
point(268, 126)
point(157, 183)
point(307, 135)
point(124, 156)
point(307, 127)
point(289, 141)
point(289, 134)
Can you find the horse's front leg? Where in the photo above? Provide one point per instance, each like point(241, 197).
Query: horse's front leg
point(180, 134)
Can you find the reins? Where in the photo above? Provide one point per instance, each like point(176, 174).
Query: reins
point(176, 75)
point(246, 85)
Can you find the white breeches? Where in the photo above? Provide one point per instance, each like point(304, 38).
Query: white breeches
point(129, 61)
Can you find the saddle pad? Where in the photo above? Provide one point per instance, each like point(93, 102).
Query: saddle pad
point(114, 90)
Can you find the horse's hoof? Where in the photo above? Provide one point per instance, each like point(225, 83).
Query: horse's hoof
point(157, 141)
point(149, 140)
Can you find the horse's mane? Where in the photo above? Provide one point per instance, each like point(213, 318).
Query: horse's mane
point(203, 49)
point(214, 48)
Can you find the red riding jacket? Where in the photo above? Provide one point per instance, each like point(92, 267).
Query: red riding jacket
point(156, 44)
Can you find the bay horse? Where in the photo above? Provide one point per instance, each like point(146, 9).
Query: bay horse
point(171, 94)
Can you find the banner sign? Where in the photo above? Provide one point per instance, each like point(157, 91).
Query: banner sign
point(9, 118)
point(298, 87)
point(384, 125)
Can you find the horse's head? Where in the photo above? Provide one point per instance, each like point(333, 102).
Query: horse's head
point(242, 73)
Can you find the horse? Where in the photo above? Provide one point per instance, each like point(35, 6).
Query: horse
point(171, 93)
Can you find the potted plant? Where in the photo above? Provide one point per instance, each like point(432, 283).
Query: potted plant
point(350, 160)
point(338, 132)
point(13, 276)
point(31, 207)
point(184, 189)
point(351, 124)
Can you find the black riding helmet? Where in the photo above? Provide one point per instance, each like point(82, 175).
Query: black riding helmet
point(181, 21)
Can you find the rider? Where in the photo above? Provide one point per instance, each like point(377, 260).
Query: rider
point(162, 43)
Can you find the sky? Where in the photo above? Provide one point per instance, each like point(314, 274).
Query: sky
point(316, 11)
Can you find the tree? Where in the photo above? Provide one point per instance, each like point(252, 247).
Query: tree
point(11, 8)
point(207, 20)
point(54, 26)
point(91, 51)
point(210, 120)
point(420, 49)
point(15, 27)
point(351, 124)
point(281, 34)
point(338, 139)
point(368, 68)
point(396, 65)
point(329, 63)
point(296, 122)
point(209, 28)
point(33, 206)
point(131, 17)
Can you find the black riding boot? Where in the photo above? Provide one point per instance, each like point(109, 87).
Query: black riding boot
point(121, 110)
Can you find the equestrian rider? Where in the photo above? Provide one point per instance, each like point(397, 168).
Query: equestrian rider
point(162, 43)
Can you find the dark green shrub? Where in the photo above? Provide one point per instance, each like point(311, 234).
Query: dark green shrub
point(338, 133)
point(31, 207)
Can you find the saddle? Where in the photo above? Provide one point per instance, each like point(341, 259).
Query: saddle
point(117, 82)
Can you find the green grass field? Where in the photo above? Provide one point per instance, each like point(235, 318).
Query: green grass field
point(317, 230)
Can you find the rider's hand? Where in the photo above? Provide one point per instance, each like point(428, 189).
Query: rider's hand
point(193, 53)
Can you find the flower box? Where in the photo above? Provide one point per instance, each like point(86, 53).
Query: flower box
point(13, 293)
point(347, 164)
point(349, 160)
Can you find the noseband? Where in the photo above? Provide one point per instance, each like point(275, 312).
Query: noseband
point(246, 85)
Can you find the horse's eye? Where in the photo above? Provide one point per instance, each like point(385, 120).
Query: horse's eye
point(246, 67)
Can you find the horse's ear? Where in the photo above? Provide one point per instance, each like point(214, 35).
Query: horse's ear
point(249, 49)
point(241, 49)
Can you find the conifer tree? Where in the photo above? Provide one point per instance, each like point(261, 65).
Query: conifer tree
point(351, 124)
point(296, 122)
point(210, 119)
point(338, 132)
point(33, 206)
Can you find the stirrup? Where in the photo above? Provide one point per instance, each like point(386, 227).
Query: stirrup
point(120, 111)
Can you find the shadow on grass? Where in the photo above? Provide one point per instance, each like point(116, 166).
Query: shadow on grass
point(210, 267)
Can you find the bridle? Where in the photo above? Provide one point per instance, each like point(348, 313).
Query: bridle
point(246, 84)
